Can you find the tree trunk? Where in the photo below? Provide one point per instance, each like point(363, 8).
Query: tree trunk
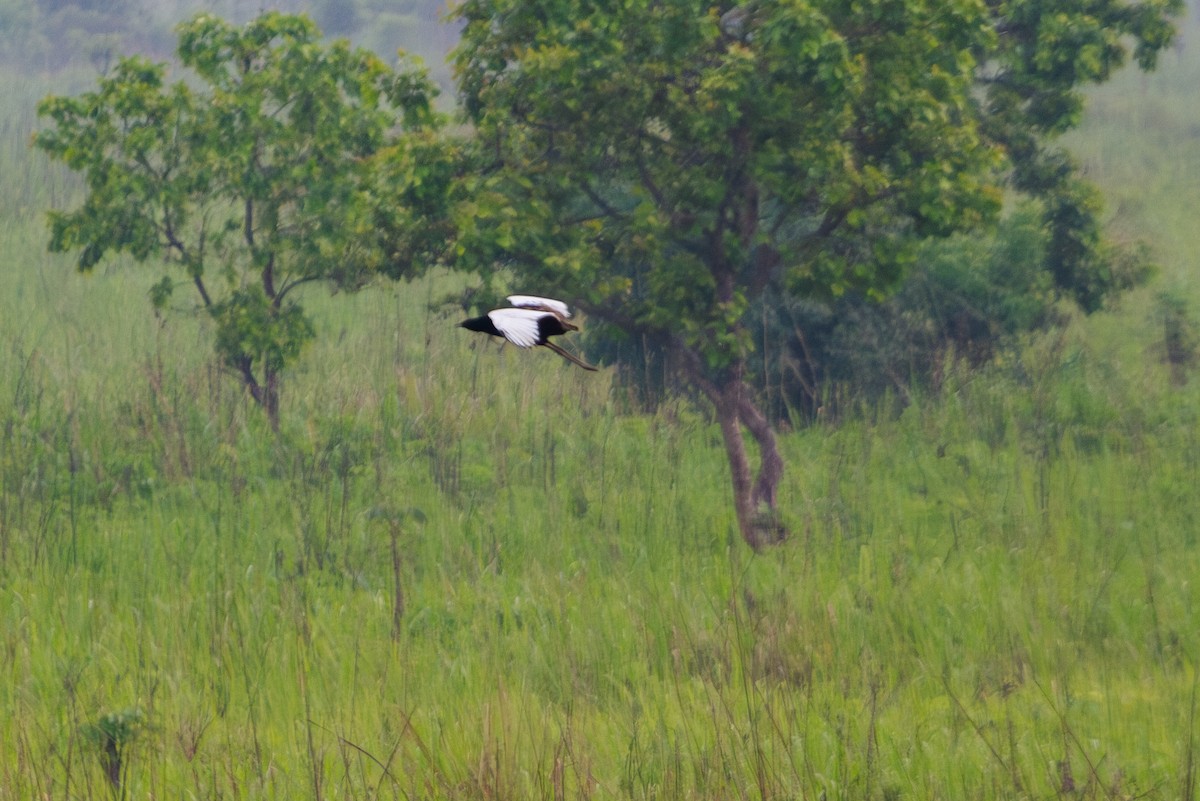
point(754, 501)
point(728, 416)
point(770, 470)
point(266, 394)
point(270, 401)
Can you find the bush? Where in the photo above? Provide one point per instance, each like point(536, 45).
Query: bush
point(965, 300)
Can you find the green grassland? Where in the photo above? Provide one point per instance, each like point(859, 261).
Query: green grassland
point(463, 572)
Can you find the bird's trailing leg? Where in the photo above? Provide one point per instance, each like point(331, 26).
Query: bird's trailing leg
point(571, 357)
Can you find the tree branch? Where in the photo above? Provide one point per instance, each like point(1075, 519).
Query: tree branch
point(646, 178)
point(248, 223)
point(199, 282)
point(268, 280)
point(605, 207)
point(288, 286)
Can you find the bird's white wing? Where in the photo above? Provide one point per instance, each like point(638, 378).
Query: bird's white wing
point(543, 304)
point(519, 326)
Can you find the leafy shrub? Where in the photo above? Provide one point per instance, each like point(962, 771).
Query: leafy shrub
point(965, 299)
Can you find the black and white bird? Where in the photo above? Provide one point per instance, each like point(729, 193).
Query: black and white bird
point(531, 321)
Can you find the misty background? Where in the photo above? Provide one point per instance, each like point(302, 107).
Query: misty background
point(48, 36)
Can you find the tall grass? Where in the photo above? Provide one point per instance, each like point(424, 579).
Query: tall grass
point(988, 594)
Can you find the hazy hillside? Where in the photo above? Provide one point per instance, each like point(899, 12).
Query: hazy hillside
point(52, 35)
point(1141, 142)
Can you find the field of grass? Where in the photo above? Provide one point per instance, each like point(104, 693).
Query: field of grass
point(466, 573)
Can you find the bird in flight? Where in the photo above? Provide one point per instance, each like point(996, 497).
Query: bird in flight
point(531, 321)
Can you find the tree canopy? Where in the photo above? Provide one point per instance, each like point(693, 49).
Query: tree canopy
point(667, 162)
point(285, 161)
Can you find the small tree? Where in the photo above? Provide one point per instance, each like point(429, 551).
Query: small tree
point(113, 736)
point(286, 161)
point(667, 162)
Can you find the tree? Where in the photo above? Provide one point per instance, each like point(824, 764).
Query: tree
point(666, 162)
point(284, 162)
point(1030, 80)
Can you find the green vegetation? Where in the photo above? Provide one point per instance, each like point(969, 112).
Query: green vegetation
point(283, 172)
point(989, 593)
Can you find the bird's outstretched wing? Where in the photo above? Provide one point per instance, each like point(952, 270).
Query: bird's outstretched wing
point(541, 304)
point(518, 326)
